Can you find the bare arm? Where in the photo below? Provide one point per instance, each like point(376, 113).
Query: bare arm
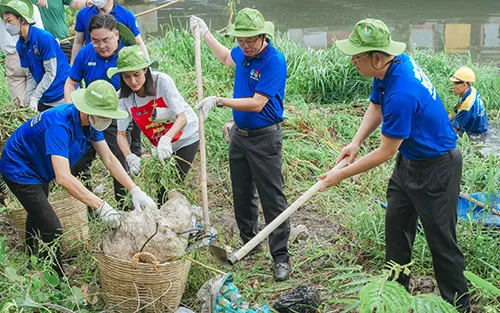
point(222, 53)
point(254, 104)
point(140, 43)
point(387, 149)
point(78, 4)
point(180, 122)
point(69, 87)
point(72, 184)
point(77, 45)
point(113, 165)
point(121, 138)
point(371, 120)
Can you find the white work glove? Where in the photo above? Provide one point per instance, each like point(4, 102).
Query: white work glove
point(163, 115)
point(206, 105)
point(109, 215)
point(134, 164)
point(195, 20)
point(140, 198)
point(164, 148)
point(34, 104)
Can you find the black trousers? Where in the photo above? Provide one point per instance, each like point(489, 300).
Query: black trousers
point(428, 189)
point(183, 166)
point(255, 163)
point(42, 222)
point(67, 48)
point(82, 167)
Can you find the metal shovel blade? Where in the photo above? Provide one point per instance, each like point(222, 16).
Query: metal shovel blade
point(219, 253)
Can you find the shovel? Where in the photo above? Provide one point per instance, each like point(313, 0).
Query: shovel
point(280, 219)
point(201, 128)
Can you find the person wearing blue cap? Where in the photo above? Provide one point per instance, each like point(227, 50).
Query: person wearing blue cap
point(425, 182)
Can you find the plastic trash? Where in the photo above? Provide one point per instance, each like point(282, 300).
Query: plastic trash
point(184, 310)
point(302, 299)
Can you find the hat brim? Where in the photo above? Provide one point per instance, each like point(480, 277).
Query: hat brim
point(125, 34)
point(454, 79)
point(347, 48)
point(115, 70)
point(5, 8)
point(268, 29)
point(78, 99)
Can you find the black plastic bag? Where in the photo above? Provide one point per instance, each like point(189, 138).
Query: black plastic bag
point(303, 299)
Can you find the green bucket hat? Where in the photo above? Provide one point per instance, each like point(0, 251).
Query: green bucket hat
point(130, 58)
point(100, 99)
point(249, 23)
point(370, 35)
point(125, 34)
point(23, 8)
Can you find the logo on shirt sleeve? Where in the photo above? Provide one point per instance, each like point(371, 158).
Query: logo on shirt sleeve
point(91, 64)
point(255, 75)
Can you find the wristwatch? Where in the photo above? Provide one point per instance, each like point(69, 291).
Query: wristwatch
point(218, 102)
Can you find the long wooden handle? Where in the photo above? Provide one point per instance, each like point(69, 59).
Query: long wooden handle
point(478, 203)
point(263, 234)
point(201, 127)
point(137, 15)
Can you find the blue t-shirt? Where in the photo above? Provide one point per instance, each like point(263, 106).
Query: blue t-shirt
point(90, 66)
point(42, 46)
point(264, 74)
point(413, 111)
point(471, 114)
point(121, 15)
point(26, 158)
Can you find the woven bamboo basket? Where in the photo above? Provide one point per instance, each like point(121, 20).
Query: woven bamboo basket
point(72, 214)
point(129, 287)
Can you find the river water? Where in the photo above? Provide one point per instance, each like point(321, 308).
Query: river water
point(458, 26)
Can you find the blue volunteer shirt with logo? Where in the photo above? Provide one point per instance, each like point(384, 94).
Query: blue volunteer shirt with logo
point(413, 111)
point(471, 114)
point(90, 66)
point(264, 74)
point(42, 46)
point(26, 158)
point(121, 15)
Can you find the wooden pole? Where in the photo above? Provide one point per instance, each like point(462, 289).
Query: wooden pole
point(478, 203)
point(137, 15)
point(201, 127)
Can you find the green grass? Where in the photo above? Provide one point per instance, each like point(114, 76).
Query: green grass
point(325, 102)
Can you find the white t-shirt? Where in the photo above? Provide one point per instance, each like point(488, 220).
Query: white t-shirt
point(167, 96)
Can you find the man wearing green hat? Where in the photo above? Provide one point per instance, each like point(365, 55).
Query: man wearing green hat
point(255, 158)
point(16, 76)
point(45, 147)
point(425, 182)
point(40, 55)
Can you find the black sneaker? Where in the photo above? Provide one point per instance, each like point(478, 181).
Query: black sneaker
point(281, 271)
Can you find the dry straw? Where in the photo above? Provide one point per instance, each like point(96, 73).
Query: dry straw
point(130, 287)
